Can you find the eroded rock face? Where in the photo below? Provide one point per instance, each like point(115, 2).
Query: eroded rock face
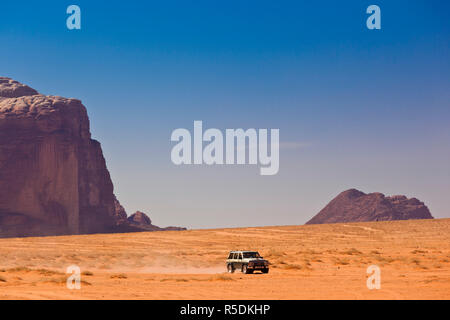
point(356, 206)
point(121, 214)
point(53, 176)
point(140, 218)
point(10, 88)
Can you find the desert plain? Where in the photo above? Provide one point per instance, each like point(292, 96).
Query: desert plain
point(307, 262)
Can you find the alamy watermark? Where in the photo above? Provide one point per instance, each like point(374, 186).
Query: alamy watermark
point(374, 277)
point(374, 20)
point(74, 280)
point(74, 20)
point(238, 147)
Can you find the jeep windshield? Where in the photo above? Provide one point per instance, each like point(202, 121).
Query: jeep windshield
point(251, 255)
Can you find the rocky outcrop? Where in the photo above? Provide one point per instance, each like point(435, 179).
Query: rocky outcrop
point(53, 176)
point(120, 213)
point(137, 222)
point(356, 206)
point(12, 89)
point(141, 220)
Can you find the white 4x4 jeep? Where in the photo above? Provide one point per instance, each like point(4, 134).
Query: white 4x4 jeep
point(247, 262)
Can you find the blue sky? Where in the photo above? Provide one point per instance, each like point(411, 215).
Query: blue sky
point(366, 109)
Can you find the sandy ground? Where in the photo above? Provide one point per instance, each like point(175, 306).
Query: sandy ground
point(308, 262)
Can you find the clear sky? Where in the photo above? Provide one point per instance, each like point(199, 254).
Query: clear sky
point(356, 108)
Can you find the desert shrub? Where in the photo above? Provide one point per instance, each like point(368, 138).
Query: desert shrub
point(222, 277)
point(342, 262)
point(47, 272)
point(19, 269)
point(353, 251)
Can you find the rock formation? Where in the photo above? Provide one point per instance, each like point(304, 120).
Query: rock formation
point(141, 220)
point(120, 213)
point(356, 206)
point(53, 176)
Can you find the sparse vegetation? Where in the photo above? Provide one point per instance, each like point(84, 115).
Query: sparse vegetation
point(342, 262)
point(19, 269)
point(58, 280)
point(61, 280)
point(418, 251)
point(47, 272)
point(309, 257)
point(353, 251)
point(222, 277)
point(384, 259)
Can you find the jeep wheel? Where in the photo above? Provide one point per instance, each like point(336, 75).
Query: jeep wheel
point(266, 270)
point(230, 268)
point(245, 269)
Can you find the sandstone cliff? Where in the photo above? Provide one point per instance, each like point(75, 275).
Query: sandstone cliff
point(356, 206)
point(120, 213)
point(53, 176)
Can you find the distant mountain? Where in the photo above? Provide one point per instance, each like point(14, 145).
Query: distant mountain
point(142, 221)
point(356, 206)
point(137, 222)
